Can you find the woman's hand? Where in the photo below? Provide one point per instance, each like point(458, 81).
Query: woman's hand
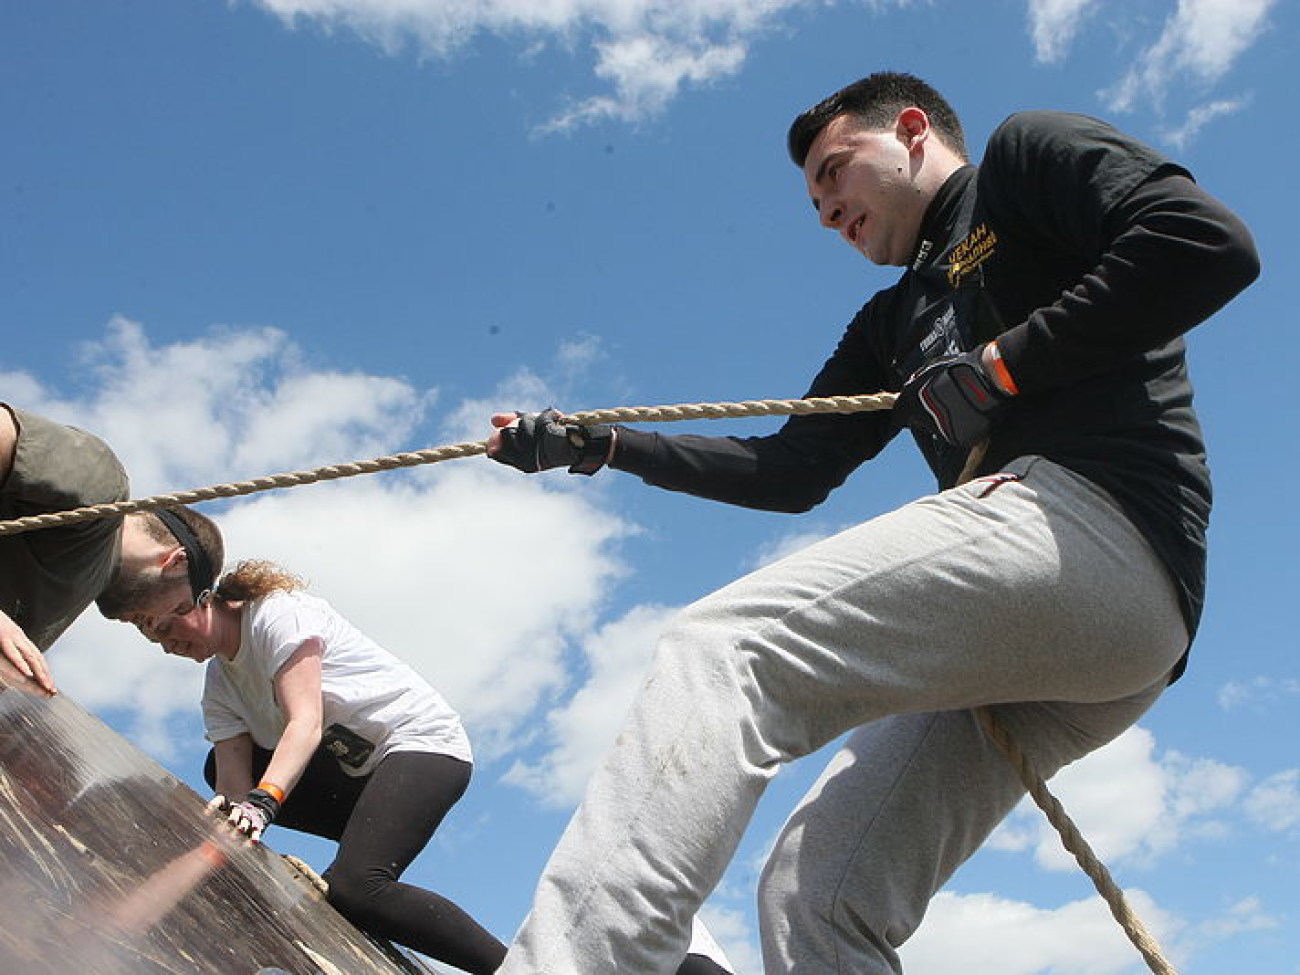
point(254, 814)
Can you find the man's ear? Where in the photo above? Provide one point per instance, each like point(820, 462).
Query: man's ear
point(175, 562)
point(912, 127)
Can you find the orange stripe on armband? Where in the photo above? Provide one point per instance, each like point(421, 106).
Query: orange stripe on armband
point(273, 790)
point(1001, 372)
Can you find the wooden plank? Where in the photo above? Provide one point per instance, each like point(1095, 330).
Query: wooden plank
point(110, 866)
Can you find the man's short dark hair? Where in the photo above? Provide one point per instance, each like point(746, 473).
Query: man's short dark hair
point(204, 548)
point(875, 102)
point(203, 530)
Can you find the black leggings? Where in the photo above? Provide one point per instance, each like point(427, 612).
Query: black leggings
point(699, 965)
point(381, 822)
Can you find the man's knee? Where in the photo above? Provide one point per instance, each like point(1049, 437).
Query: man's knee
point(694, 650)
point(789, 904)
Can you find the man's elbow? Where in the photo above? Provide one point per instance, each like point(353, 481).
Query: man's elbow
point(1238, 264)
point(796, 499)
point(1245, 261)
point(807, 501)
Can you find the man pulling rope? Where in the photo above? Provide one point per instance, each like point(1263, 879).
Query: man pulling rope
point(1041, 307)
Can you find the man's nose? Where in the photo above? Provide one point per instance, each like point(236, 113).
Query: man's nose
point(830, 215)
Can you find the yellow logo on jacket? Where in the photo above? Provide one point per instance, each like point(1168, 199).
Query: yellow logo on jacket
point(977, 247)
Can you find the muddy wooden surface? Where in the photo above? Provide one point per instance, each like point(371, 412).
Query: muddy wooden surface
point(110, 866)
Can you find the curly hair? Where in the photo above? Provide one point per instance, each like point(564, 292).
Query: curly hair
point(254, 578)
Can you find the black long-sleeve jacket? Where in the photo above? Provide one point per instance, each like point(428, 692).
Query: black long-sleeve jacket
point(1087, 255)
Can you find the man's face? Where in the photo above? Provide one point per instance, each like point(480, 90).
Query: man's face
point(861, 182)
point(143, 593)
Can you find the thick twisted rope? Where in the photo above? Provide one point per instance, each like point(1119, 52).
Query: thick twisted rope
point(1074, 842)
point(434, 455)
point(1070, 836)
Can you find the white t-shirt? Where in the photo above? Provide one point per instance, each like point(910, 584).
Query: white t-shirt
point(364, 688)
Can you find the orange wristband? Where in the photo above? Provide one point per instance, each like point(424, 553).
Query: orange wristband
point(1000, 371)
point(274, 790)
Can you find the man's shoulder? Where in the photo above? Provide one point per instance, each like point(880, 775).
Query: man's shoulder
point(1053, 152)
point(1046, 126)
point(61, 466)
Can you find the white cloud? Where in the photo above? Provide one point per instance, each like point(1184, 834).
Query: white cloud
point(228, 405)
point(1197, 45)
point(644, 53)
point(647, 72)
point(1259, 693)
point(1127, 804)
point(789, 543)
point(1131, 809)
point(981, 934)
point(646, 50)
point(1275, 802)
point(1242, 917)
point(468, 570)
point(581, 353)
point(580, 730)
point(731, 930)
point(107, 666)
point(1053, 25)
point(469, 574)
point(1200, 41)
point(1199, 117)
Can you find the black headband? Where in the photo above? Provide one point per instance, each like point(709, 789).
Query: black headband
point(196, 559)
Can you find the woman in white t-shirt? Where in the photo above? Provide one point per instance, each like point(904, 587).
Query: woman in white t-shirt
point(342, 739)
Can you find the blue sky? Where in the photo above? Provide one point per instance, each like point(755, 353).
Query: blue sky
point(250, 237)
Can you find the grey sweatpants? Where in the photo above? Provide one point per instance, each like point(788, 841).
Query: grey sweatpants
point(1035, 595)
